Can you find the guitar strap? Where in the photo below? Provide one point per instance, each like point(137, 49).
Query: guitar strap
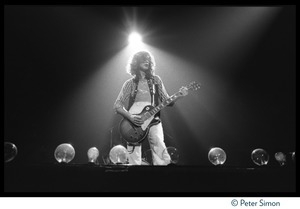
point(154, 94)
point(152, 90)
point(156, 98)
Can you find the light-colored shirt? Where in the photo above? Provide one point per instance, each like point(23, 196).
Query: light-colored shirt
point(129, 87)
point(143, 92)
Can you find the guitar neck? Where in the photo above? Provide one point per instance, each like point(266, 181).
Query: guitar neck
point(163, 104)
point(153, 111)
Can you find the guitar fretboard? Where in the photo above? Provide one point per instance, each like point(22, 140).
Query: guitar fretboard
point(165, 103)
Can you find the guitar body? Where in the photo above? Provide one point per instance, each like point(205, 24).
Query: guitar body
point(136, 134)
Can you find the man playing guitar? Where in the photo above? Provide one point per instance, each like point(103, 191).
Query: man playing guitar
point(144, 89)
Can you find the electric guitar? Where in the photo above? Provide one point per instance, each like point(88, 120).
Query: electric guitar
point(134, 134)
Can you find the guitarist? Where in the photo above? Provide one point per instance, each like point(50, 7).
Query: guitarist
point(144, 88)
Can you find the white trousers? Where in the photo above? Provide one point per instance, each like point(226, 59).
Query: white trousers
point(160, 156)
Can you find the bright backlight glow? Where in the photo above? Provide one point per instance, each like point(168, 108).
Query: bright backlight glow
point(135, 42)
point(135, 38)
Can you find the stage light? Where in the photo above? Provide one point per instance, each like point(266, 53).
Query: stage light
point(291, 158)
point(118, 155)
point(135, 42)
point(173, 153)
point(281, 158)
point(64, 153)
point(10, 151)
point(217, 156)
point(93, 154)
point(260, 157)
point(135, 38)
point(294, 156)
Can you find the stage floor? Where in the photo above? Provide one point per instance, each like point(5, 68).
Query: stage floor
point(145, 180)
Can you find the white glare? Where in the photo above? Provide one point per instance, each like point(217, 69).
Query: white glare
point(135, 38)
point(135, 43)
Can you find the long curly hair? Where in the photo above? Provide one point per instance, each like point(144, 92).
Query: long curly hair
point(134, 62)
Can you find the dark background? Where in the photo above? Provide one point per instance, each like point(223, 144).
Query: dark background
point(50, 50)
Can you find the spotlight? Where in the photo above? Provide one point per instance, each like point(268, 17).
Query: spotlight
point(10, 151)
point(118, 155)
point(260, 157)
point(64, 153)
point(135, 38)
point(93, 154)
point(217, 156)
point(135, 42)
point(281, 158)
point(291, 158)
point(294, 156)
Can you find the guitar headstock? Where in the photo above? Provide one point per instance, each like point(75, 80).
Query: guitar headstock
point(194, 85)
